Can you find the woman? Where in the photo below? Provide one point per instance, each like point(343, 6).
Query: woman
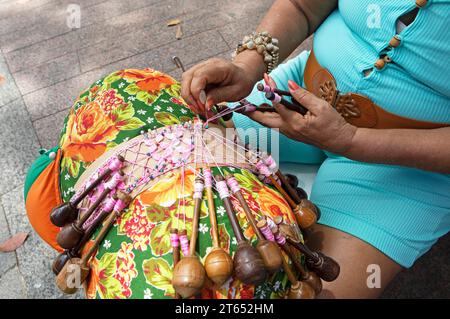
point(383, 186)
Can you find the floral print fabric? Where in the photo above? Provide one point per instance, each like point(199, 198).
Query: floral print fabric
point(135, 258)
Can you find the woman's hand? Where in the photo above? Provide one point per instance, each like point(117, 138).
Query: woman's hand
point(322, 126)
point(221, 80)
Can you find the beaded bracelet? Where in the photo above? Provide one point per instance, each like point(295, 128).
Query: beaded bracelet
point(264, 44)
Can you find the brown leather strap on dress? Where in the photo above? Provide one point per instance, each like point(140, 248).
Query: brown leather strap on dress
point(357, 109)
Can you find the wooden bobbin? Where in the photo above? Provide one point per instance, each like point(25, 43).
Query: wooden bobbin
point(189, 274)
point(248, 264)
point(218, 263)
point(71, 234)
point(268, 250)
point(68, 212)
point(299, 289)
point(325, 267)
point(307, 276)
point(67, 279)
point(306, 213)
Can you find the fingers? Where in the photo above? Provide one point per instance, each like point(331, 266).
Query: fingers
point(272, 120)
point(306, 98)
point(220, 94)
point(269, 81)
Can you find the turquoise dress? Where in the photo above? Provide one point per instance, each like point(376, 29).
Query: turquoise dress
point(401, 211)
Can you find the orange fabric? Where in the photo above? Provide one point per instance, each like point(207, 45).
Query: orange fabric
point(42, 197)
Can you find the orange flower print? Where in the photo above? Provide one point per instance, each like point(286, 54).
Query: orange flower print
point(272, 204)
point(148, 80)
point(88, 130)
point(169, 189)
point(109, 100)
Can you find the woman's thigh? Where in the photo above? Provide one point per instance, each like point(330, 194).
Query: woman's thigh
point(365, 271)
point(376, 219)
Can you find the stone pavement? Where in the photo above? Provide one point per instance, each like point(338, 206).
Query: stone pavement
point(46, 64)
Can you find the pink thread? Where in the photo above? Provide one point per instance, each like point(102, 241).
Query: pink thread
point(184, 241)
point(109, 205)
point(208, 177)
point(267, 233)
point(280, 239)
point(270, 162)
point(115, 179)
point(119, 206)
point(250, 108)
point(263, 169)
point(267, 88)
point(233, 184)
point(174, 240)
point(198, 190)
point(270, 222)
point(222, 189)
point(276, 98)
point(115, 164)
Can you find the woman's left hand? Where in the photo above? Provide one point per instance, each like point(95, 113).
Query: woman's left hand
point(321, 126)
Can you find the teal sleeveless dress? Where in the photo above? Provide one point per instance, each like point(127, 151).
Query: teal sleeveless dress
point(401, 211)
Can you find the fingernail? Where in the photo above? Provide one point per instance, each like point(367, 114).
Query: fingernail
point(292, 85)
point(202, 97)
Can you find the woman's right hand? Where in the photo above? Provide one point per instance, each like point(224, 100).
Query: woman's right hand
point(221, 80)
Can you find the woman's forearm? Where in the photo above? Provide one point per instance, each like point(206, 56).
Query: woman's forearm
point(291, 22)
point(424, 149)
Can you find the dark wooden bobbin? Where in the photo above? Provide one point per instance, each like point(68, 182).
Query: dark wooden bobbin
point(68, 212)
point(248, 264)
point(307, 276)
point(67, 254)
point(70, 235)
point(268, 250)
point(76, 270)
point(296, 107)
point(189, 274)
point(325, 267)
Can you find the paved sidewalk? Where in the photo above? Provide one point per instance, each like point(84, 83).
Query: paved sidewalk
point(46, 64)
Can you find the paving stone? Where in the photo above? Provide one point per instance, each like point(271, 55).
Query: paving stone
point(45, 75)
point(7, 260)
point(59, 97)
point(54, 22)
point(35, 256)
point(18, 143)
point(148, 39)
point(8, 90)
point(12, 285)
point(48, 129)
